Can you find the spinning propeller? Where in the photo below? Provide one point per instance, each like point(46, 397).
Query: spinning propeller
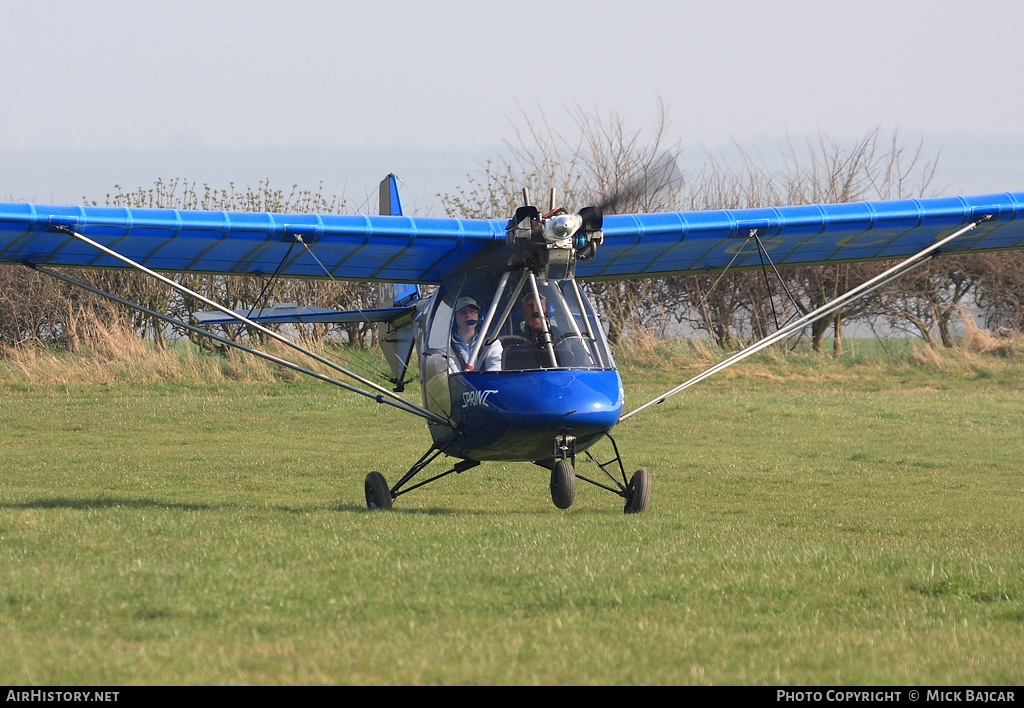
point(560, 238)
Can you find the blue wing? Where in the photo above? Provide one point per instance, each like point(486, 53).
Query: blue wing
point(696, 242)
point(385, 248)
point(431, 250)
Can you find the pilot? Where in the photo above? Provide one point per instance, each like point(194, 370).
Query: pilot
point(465, 332)
point(533, 319)
point(536, 353)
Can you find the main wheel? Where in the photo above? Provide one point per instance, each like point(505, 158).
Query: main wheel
point(378, 493)
point(638, 493)
point(563, 484)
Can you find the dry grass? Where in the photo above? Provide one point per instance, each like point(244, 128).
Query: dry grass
point(1003, 342)
point(112, 353)
point(868, 363)
point(982, 352)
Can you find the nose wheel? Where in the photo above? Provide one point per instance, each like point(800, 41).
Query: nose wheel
point(563, 484)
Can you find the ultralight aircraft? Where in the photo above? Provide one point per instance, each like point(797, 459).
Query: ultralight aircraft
point(513, 359)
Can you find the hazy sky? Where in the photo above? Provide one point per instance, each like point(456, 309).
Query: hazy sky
point(186, 85)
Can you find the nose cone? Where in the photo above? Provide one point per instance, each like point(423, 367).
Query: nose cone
point(515, 416)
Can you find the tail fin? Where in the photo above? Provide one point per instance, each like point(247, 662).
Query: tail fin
point(390, 199)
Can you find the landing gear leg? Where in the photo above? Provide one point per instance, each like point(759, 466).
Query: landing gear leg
point(380, 496)
point(636, 492)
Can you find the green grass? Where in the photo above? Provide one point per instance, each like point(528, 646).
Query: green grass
point(812, 522)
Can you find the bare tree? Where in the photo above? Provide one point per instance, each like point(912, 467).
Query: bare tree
point(830, 173)
point(999, 291)
point(605, 163)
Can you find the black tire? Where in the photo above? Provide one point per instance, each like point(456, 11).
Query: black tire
point(378, 493)
point(563, 484)
point(638, 493)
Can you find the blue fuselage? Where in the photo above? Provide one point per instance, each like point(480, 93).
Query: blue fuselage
point(516, 415)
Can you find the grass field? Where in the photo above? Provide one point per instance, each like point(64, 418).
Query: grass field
point(813, 521)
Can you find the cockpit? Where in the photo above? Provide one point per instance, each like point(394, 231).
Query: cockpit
point(519, 323)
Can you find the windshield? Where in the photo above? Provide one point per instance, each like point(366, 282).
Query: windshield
point(528, 323)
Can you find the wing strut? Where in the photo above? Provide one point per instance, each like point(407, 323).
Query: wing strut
point(231, 343)
point(383, 395)
point(901, 268)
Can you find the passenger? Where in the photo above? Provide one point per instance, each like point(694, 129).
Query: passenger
point(465, 332)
